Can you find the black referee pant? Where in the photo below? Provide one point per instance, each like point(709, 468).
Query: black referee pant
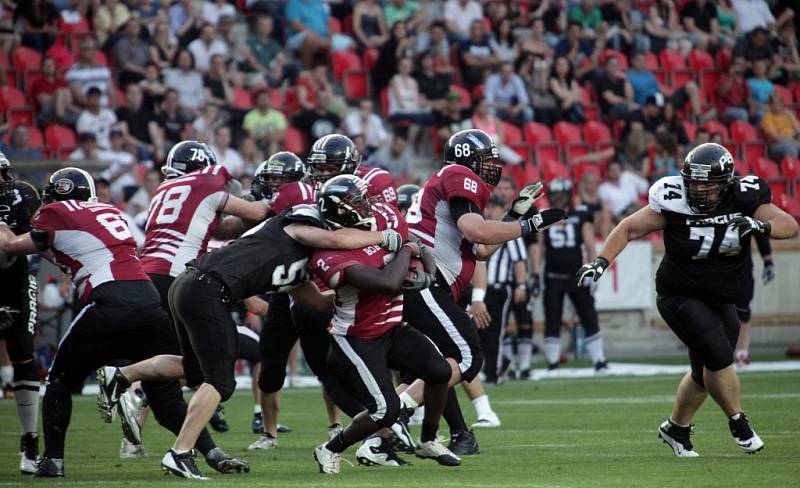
point(498, 301)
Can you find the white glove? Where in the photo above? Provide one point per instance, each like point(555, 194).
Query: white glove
point(524, 201)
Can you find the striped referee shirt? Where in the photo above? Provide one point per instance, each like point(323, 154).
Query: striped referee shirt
point(500, 268)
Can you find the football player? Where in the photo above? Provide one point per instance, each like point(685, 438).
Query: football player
point(745, 296)
point(447, 216)
point(405, 195)
point(564, 246)
point(121, 316)
point(271, 257)
point(367, 335)
point(708, 216)
point(18, 294)
point(381, 184)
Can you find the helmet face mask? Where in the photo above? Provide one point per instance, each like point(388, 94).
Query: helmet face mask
point(343, 203)
point(330, 156)
point(405, 196)
point(707, 176)
point(6, 175)
point(281, 168)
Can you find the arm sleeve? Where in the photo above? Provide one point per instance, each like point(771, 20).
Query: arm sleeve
point(461, 206)
point(764, 246)
point(330, 267)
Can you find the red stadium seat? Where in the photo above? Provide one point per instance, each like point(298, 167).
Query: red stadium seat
point(384, 98)
point(56, 136)
point(713, 126)
point(778, 189)
point(355, 84)
point(575, 149)
point(35, 139)
point(742, 132)
point(10, 97)
point(25, 58)
point(567, 133)
point(675, 64)
point(754, 150)
point(590, 107)
point(242, 99)
point(709, 79)
point(700, 60)
point(578, 170)
point(343, 61)
point(596, 133)
point(765, 168)
point(535, 133)
point(20, 116)
point(295, 141)
point(554, 169)
point(512, 133)
point(785, 93)
point(545, 151)
point(723, 59)
point(742, 167)
point(790, 205)
point(62, 56)
point(622, 60)
point(370, 58)
point(334, 25)
point(63, 152)
point(691, 130)
point(790, 169)
point(466, 98)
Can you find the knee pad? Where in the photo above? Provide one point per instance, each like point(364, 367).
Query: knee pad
point(272, 375)
point(224, 386)
point(389, 415)
point(718, 355)
point(437, 371)
point(407, 378)
point(475, 367)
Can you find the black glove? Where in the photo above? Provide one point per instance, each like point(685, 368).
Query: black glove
point(541, 220)
point(535, 285)
point(589, 273)
point(746, 225)
point(418, 280)
point(7, 317)
point(769, 272)
point(391, 240)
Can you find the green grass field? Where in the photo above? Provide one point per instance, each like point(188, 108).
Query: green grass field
point(556, 433)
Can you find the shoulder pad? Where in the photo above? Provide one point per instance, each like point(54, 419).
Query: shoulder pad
point(667, 194)
point(749, 192)
point(303, 214)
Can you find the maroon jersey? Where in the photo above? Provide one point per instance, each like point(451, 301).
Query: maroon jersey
point(183, 215)
point(290, 194)
point(362, 313)
point(90, 241)
point(430, 221)
point(381, 184)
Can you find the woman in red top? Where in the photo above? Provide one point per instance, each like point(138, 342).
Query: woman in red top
point(52, 97)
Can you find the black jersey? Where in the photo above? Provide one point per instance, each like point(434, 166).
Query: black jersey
point(16, 210)
point(265, 259)
point(564, 244)
point(704, 257)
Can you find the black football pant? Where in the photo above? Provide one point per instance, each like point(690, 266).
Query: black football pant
point(286, 324)
point(709, 330)
point(19, 293)
point(498, 302)
point(581, 297)
point(123, 320)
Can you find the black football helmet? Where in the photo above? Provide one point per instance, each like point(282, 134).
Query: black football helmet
point(187, 156)
point(6, 175)
point(332, 155)
point(559, 192)
point(405, 195)
point(282, 167)
point(343, 202)
point(476, 150)
point(69, 184)
point(707, 174)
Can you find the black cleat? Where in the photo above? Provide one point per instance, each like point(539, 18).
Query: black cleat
point(258, 423)
point(744, 435)
point(525, 375)
point(218, 421)
point(28, 453)
point(376, 451)
point(49, 468)
point(464, 443)
point(182, 465)
point(226, 464)
point(677, 438)
point(284, 429)
point(401, 439)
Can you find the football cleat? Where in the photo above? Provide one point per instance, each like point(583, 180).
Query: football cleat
point(49, 468)
point(464, 443)
point(401, 439)
point(490, 420)
point(329, 462)
point(218, 421)
point(182, 465)
point(28, 452)
point(524, 375)
point(224, 463)
point(284, 429)
point(112, 385)
point(677, 438)
point(129, 409)
point(744, 435)
point(265, 442)
point(438, 452)
point(601, 368)
point(377, 451)
point(129, 450)
point(333, 431)
point(258, 423)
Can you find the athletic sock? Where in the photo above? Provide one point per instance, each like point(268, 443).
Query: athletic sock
point(525, 349)
point(6, 375)
point(452, 413)
point(26, 395)
point(741, 354)
point(56, 412)
point(552, 350)
point(407, 401)
point(594, 345)
point(508, 348)
point(482, 407)
point(337, 444)
point(676, 424)
point(257, 409)
point(428, 432)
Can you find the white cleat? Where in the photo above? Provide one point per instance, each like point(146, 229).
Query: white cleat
point(265, 442)
point(438, 452)
point(329, 462)
point(129, 409)
point(677, 438)
point(376, 451)
point(28, 453)
point(109, 394)
point(744, 435)
point(490, 420)
point(182, 465)
point(128, 450)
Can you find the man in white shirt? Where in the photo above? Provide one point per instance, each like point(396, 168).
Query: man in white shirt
point(460, 14)
point(367, 123)
point(506, 95)
point(96, 119)
point(619, 193)
point(206, 46)
point(226, 155)
point(751, 14)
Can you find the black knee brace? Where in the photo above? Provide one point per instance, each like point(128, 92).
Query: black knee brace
point(225, 385)
point(717, 353)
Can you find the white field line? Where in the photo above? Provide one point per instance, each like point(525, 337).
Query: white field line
point(634, 400)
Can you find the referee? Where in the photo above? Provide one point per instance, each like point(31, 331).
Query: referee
point(505, 280)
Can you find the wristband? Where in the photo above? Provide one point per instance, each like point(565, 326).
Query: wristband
point(522, 286)
point(767, 229)
point(478, 294)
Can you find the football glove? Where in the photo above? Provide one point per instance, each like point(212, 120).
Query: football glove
point(391, 240)
point(416, 281)
point(591, 272)
point(235, 187)
point(769, 272)
point(746, 225)
point(541, 221)
point(535, 285)
point(7, 317)
point(524, 201)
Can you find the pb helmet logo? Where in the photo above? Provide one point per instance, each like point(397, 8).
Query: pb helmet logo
point(64, 186)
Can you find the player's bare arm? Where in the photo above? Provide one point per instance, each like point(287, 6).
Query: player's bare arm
point(587, 229)
point(782, 225)
point(478, 310)
point(309, 294)
point(342, 239)
point(388, 280)
point(16, 245)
